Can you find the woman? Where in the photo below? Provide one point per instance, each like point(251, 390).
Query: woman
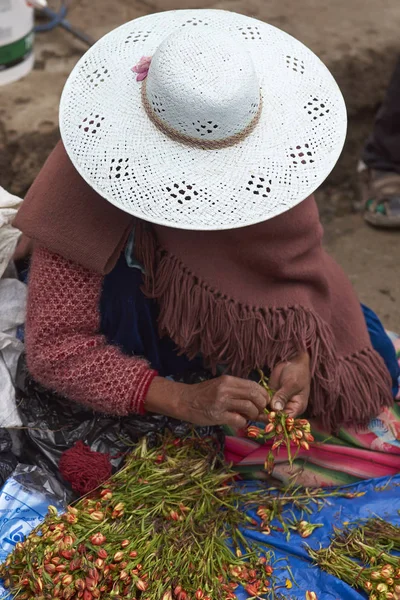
point(172, 233)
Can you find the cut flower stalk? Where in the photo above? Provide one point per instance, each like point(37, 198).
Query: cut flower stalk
point(283, 430)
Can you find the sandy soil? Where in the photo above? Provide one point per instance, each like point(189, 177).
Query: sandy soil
point(358, 40)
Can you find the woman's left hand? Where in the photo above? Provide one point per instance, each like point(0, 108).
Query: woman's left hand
point(291, 380)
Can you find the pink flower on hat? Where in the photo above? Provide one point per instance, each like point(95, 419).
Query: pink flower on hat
point(142, 68)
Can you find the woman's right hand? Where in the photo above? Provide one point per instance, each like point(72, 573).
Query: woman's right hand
point(222, 401)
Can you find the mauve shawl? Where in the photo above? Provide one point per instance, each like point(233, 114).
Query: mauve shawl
point(245, 298)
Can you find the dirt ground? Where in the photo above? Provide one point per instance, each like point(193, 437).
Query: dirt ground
point(357, 39)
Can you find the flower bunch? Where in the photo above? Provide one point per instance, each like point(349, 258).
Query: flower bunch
point(282, 430)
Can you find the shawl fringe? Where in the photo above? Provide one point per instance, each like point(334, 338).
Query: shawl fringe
point(362, 376)
point(201, 320)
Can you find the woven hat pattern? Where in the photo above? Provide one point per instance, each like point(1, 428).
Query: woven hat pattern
point(213, 75)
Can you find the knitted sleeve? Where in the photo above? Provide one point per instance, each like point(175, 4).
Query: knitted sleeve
point(64, 349)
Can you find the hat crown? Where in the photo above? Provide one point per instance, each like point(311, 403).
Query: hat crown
point(203, 84)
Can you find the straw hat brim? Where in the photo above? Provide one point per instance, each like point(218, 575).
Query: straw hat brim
point(121, 153)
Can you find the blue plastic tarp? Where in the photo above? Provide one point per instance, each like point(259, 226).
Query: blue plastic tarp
point(22, 508)
point(381, 498)
point(24, 500)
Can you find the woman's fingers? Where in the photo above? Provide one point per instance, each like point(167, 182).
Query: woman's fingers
point(245, 408)
point(296, 406)
point(240, 389)
point(225, 400)
point(291, 379)
point(275, 384)
point(235, 421)
point(283, 396)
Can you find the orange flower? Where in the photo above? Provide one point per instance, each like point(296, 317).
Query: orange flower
point(80, 585)
point(368, 586)
point(177, 590)
point(70, 518)
point(49, 569)
point(68, 540)
point(90, 584)
point(142, 585)
point(289, 423)
point(269, 428)
point(106, 494)
point(311, 596)
point(39, 584)
point(387, 571)
point(118, 556)
point(73, 510)
point(98, 539)
point(269, 463)
point(97, 515)
point(67, 580)
point(276, 444)
point(266, 530)
point(99, 563)
point(253, 432)
point(251, 590)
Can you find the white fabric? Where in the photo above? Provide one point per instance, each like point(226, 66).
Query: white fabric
point(9, 205)
point(12, 310)
point(209, 68)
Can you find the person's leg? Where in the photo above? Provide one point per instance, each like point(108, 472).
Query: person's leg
point(380, 165)
point(382, 150)
point(383, 345)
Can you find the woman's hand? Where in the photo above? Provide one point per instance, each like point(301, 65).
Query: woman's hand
point(221, 401)
point(291, 380)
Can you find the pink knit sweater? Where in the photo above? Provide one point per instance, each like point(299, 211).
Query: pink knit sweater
point(65, 351)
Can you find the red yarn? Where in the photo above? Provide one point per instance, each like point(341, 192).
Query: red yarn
point(83, 468)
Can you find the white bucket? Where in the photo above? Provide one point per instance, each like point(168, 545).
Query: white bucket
point(16, 40)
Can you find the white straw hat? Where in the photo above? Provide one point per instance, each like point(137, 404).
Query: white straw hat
point(235, 123)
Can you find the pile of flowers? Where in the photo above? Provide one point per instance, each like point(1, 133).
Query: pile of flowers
point(165, 527)
point(363, 557)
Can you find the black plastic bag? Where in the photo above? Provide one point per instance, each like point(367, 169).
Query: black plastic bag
point(8, 461)
point(53, 424)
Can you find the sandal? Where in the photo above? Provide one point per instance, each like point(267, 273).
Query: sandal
point(380, 197)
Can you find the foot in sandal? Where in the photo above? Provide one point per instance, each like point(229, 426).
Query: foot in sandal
point(380, 197)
